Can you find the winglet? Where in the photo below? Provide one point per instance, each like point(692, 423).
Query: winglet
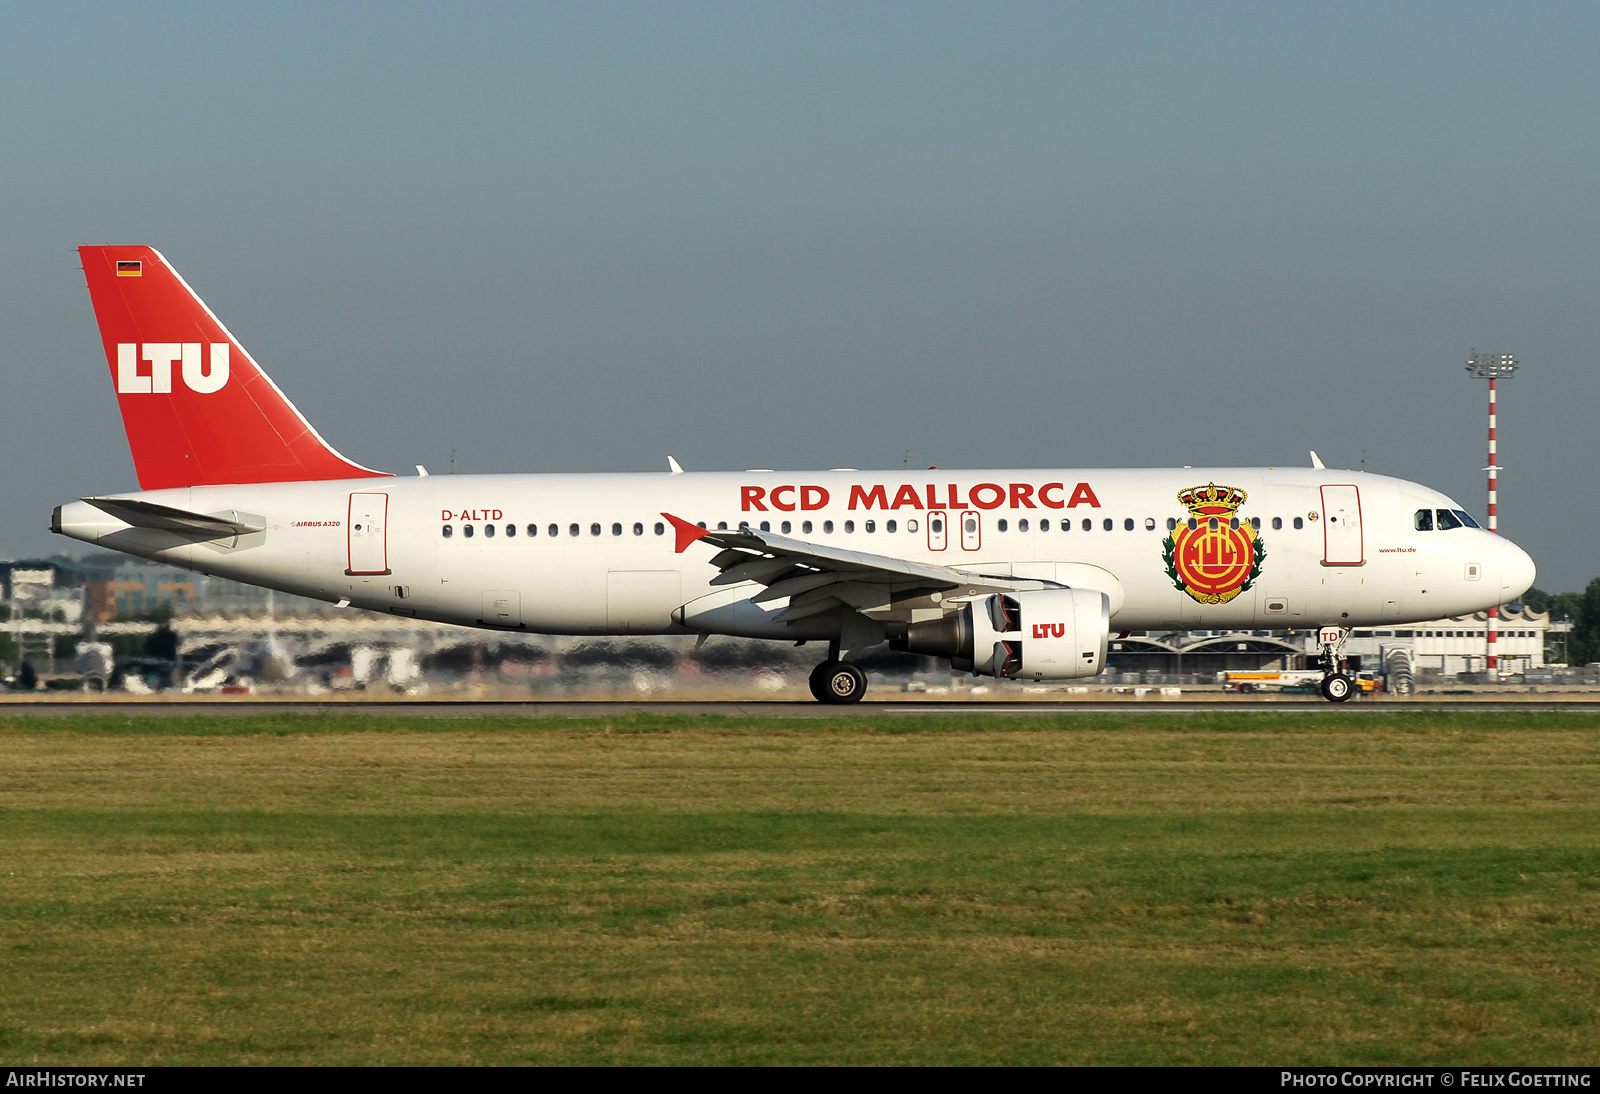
point(675, 467)
point(687, 533)
point(1316, 461)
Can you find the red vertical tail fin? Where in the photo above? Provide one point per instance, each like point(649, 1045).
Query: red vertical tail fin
point(197, 408)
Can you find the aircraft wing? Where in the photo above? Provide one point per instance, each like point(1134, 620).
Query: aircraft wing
point(819, 577)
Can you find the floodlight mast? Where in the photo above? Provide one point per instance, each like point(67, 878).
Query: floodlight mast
point(1492, 367)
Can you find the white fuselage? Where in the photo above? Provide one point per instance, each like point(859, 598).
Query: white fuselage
point(611, 566)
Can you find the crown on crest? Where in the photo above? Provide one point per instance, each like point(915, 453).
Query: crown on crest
point(1212, 500)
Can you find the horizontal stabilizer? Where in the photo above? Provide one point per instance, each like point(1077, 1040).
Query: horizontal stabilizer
point(147, 514)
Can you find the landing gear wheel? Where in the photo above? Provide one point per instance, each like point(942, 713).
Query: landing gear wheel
point(838, 682)
point(1337, 688)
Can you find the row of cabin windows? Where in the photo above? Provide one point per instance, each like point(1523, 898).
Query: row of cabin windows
point(1003, 525)
point(1424, 521)
point(554, 530)
point(1441, 634)
point(937, 526)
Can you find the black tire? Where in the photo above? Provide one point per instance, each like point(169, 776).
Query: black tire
point(838, 682)
point(1338, 688)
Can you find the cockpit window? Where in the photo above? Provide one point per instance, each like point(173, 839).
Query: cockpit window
point(1448, 520)
point(1424, 520)
point(1466, 518)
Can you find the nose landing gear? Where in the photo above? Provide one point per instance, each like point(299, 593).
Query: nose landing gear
point(1336, 686)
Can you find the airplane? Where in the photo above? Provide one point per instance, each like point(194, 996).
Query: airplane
point(1012, 574)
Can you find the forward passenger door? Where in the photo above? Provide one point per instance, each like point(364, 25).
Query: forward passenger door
point(1342, 543)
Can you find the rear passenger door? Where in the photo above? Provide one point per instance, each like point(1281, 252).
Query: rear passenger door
point(367, 534)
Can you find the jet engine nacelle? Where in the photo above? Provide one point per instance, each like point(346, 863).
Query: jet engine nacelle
point(1053, 634)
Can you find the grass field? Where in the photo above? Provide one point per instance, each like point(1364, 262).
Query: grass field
point(1142, 888)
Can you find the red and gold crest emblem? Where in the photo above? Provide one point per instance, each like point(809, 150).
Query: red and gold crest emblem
point(1213, 555)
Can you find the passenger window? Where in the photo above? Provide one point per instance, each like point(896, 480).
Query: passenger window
point(1194, 523)
point(786, 527)
point(805, 526)
point(766, 526)
point(488, 530)
point(1277, 523)
point(1127, 524)
point(744, 526)
point(936, 525)
point(1000, 525)
point(890, 526)
point(511, 529)
point(1172, 524)
point(661, 529)
point(1106, 524)
point(911, 526)
point(722, 526)
point(1255, 522)
point(871, 526)
point(972, 525)
point(1213, 524)
point(827, 526)
point(1447, 520)
point(638, 529)
point(1299, 522)
point(1234, 524)
point(1088, 525)
point(594, 529)
point(1149, 524)
point(1022, 525)
point(1466, 518)
point(1044, 525)
point(448, 531)
point(533, 529)
point(466, 530)
point(849, 526)
point(572, 529)
point(616, 529)
point(1423, 521)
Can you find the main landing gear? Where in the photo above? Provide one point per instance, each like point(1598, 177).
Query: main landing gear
point(838, 682)
point(1336, 686)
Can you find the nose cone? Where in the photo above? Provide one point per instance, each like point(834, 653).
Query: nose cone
point(1517, 572)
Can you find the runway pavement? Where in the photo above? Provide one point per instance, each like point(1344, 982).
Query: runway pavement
point(446, 708)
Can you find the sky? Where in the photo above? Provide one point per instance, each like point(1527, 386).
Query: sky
point(582, 237)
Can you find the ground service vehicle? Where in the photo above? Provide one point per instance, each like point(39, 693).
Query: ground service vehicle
point(1269, 679)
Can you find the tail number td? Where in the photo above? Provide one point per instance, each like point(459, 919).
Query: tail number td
point(162, 356)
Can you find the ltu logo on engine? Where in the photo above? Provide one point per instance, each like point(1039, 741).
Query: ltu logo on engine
point(161, 357)
point(1049, 630)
